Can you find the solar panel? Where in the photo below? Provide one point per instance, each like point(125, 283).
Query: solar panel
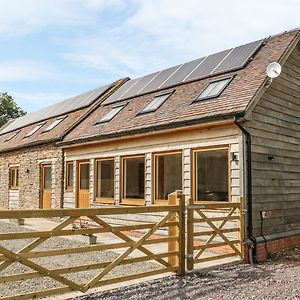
point(238, 57)
point(120, 91)
point(182, 72)
point(140, 85)
point(159, 79)
point(208, 65)
point(60, 108)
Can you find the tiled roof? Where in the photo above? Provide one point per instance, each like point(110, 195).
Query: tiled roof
point(73, 112)
point(179, 107)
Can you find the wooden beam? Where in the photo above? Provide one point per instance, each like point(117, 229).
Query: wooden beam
point(78, 212)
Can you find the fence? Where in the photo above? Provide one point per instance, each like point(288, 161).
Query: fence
point(213, 231)
point(31, 258)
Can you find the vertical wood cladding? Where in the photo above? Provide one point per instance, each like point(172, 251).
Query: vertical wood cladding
point(275, 129)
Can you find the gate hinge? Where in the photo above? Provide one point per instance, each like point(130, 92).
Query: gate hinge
point(244, 211)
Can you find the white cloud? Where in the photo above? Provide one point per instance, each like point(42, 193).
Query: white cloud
point(205, 26)
point(27, 16)
point(162, 33)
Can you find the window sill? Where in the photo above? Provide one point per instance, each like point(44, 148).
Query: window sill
point(161, 202)
point(105, 200)
point(135, 202)
point(13, 188)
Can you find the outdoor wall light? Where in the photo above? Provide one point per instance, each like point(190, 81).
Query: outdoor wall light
point(270, 157)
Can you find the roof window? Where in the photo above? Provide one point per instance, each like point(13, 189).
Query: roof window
point(214, 89)
point(54, 124)
point(34, 130)
point(155, 103)
point(12, 136)
point(111, 114)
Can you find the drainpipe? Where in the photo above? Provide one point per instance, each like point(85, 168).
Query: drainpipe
point(252, 247)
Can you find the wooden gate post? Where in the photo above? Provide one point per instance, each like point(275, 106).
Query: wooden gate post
point(173, 231)
point(190, 237)
point(181, 242)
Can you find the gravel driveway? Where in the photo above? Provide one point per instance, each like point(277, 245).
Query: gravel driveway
point(278, 279)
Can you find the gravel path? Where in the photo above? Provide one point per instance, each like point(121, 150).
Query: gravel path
point(278, 279)
point(62, 261)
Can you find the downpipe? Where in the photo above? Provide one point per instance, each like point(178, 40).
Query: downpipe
point(252, 246)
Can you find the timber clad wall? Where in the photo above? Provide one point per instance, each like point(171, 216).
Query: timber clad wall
point(275, 129)
point(183, 140)
point(29, 161)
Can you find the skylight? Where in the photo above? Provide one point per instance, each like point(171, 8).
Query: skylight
point(111, 114)
point(54, 124)
point(155, 103)
point(35, 129)
point(214, 89)
point(12, 136)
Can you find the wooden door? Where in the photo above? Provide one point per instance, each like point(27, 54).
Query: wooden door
point(46, 183)
point(83, 193)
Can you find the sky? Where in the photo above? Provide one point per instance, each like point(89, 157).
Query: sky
point(52, 50)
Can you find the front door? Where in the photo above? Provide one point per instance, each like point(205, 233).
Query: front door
point(46, 186)
point(83, 185)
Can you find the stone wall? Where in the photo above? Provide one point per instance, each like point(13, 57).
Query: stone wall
point(29, 161)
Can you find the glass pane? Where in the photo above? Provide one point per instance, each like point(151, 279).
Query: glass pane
point(105, 179)
point(84, 176)
point(114, 111)
point(208, 90)
point(134, 178)
point(17, 177)
point(155, 103)
point(47, 178)
point(218, 87)
point(70, 179)
point(212, 175)
point(11, 177)
point(168, 175)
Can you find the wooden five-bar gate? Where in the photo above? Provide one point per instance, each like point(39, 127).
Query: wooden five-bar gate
point(158, 246)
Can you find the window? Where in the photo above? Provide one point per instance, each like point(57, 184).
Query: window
point(111, 114)
point(14, 178)
point(211, 175)
point(69, 176)
point(133, 179)
point(54, 124)
point(168, 174)
point(214, 89)
point(84, 176)
point(35, 129)
point(12, 136)
point(155, 103)
point(105, 180)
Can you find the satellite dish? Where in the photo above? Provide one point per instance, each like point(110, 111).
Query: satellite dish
point(273, 70)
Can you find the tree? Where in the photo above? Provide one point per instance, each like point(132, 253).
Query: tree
point(9, 109)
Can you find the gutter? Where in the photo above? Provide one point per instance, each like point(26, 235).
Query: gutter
point(149, 129)
point(252, 248)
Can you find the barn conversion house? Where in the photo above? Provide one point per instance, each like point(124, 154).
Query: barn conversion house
point(216, 128)
point(31, 165)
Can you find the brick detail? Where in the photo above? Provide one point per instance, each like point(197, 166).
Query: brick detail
point(148, 179)
point(273, 247)
point(117, 180)
point(186, 165)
